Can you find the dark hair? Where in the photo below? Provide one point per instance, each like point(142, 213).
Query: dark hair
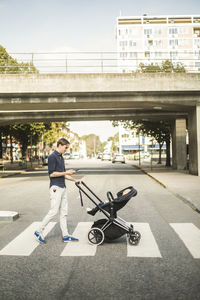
point(62, 142)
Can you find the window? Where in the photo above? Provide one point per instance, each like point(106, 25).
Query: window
point(123, 54)
point(150, 42)
point(183, 42)
point(197, 64)
point(173, 43)
point(123, 43)
point(133, 54)
point(132, 43)
point(147, 54)
point(158, 54)
point(148, 31)
point(197, 54)
point(183, 30)
point(158, 31)
point(158, 43)
point(197, 31)
point(173, 30)
point(173, 54)
point(197, 42)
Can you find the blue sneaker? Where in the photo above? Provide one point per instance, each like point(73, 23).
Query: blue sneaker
point(69, 238)
point(36, 233)
point(39, 238)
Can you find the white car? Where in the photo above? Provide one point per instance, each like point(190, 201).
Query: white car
point(118, 158)
point(45, 160)
point(106, 156)
point(75, 155)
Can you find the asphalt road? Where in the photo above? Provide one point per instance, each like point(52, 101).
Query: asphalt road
point(160, 267)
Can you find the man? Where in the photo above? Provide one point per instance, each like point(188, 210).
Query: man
point(58, 197)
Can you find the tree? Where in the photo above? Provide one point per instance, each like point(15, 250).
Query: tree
point(9, 65)
point(93, 144)
point(27, 134)
point(4, 131)
point(167, 66)
point(115, 142)
point(55, 131)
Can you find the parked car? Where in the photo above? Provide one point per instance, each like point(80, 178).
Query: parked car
point(106, 156)
point(99, 155)
point(75, 155)
point(45, 160)
point(66, 155)
point(141, 155)
point(118, 158)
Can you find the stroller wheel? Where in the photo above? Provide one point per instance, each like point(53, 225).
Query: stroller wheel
point(134, 238)
point(95, 236)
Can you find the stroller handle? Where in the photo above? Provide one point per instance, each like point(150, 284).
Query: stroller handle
point(110, 196)
point(85, 191)
point(77, 184)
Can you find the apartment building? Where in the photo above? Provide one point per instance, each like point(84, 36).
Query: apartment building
point(153, 39)
point(130, 142)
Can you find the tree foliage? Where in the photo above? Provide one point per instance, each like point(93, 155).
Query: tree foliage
point(93, 144)
point(167, 66)
point(55, 131)
point(115, 142)
point(9, 65)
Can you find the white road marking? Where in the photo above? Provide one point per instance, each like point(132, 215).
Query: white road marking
point(190, 235)
point(82, 247)
point(147, 246)
point(25, 243)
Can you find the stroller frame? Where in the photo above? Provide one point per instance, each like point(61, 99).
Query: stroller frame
point(100, 230)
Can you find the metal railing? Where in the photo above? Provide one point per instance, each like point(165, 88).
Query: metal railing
point(94, 62)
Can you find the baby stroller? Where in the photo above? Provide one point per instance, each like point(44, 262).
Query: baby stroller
point(111, 227)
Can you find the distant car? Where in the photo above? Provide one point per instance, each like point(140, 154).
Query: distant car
point(99, 155)
point(75, 155)
point(66, 155)
point(45, 160)
point(118, 158)
point(141, 155)
point(106, 156)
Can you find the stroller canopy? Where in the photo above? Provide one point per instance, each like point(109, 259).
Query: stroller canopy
point(126, 194)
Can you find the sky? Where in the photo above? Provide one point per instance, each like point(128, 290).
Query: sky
point(103, 129)
point(75, 25)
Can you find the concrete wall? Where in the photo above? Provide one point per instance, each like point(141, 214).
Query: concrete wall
point(194, 141)
point(74, 83)
point(179, 144)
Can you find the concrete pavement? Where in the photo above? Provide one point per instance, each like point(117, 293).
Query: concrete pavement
point(180, 183)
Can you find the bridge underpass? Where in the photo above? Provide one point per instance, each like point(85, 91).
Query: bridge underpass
point(77, 97)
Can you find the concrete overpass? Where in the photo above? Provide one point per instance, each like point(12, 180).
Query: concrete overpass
point(70, 97)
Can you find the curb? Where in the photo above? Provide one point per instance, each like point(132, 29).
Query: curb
point(20, 172)
point(145, 172)
point(186, 201)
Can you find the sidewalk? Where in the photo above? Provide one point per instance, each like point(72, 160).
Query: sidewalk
point(16, 168)
point(180, 183)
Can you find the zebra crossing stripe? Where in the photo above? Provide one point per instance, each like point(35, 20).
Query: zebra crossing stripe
point(190, 235)
point(81, 248)
point(25, 243)
point(147, 246)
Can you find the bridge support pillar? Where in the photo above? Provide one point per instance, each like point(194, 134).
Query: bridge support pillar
point(179, 155)
point(194, 141)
